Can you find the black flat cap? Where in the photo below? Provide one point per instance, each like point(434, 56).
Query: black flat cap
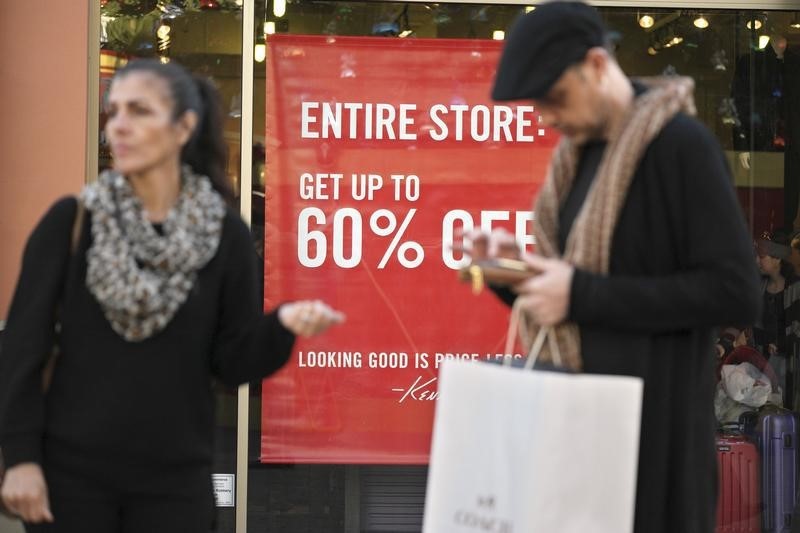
point(542, 45)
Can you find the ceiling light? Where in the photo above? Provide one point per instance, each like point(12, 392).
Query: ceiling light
point(673, 42)
point(646, 21)
point(279, 7)
point(164, 59)
point(795, 23)
point(163, 31)
point(763, 41)
point(754, 24)
point(269, 27)
point(164, 40)
point(528, 9)
point(652, 51)
point(498, 35)
point(701, 22)
point(260, 52)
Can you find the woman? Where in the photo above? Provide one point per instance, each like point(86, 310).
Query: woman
point(769, 334)
point(160, 296)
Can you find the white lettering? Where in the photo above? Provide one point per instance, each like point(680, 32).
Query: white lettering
point(353, 108)
point(388, 360)
point(523, 123)
point(385, 117)
point(441, 133)
point(460, 219)
point(332, 120)
point(502, 121)
point(407, 122)
point(419, 391)
point(451, 218)
point(315, 186)
point(306, 119)
point(485, 123)
point(480, 125)
point(329, 360)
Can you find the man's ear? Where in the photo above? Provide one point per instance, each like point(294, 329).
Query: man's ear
point(185, 126)
point(597, 60)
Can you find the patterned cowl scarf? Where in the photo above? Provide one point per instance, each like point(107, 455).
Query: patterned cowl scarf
point(588, 244)
point(140, 277)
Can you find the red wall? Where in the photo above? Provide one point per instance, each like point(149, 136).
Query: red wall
point(43, 110)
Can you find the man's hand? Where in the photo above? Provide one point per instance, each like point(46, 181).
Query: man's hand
point(545, 297)
point(24, 492)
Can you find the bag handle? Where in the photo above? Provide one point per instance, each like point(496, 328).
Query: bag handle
point(545, 333)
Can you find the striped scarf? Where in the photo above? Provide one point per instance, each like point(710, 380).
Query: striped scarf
point(588, 245)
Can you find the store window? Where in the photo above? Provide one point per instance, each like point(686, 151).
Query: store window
point(741, 62)
point(744, 63)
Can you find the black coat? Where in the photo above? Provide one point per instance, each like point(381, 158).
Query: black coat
point(681, 263)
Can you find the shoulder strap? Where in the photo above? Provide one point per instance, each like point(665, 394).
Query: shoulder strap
point(77, 225)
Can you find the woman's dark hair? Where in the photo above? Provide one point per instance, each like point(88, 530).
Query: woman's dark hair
point(786, 268)
point(206, 151)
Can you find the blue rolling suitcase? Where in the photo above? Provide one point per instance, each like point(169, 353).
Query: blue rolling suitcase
point(775, 433)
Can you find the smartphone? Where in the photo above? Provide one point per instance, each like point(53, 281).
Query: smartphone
point(499, 272)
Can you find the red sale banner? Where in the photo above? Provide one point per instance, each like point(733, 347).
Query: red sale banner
point(379, 153)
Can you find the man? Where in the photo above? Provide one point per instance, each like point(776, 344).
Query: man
point(791, 304)
point(641, 247)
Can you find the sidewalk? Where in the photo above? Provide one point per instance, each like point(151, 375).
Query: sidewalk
point(10, 526)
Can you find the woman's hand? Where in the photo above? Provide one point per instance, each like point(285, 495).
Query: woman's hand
point(480, 245)
point(307, 318)
point(24, 493)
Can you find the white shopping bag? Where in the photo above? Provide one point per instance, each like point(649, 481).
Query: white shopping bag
point(521, 451)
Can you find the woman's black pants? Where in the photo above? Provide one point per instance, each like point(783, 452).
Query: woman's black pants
point(82, 505)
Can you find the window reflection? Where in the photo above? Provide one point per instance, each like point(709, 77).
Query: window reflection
point(203, 35)
point(751, 116)
point(744, 63)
